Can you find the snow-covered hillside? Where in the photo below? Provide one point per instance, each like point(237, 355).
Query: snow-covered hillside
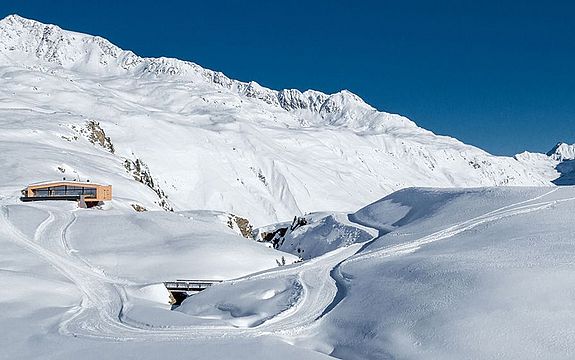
point(473, 271)
point(65, 270)
point(76, 105)
point(483, 272)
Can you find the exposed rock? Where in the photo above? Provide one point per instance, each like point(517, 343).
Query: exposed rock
point(277, 236)
point(242, 225)
point(96, 135)
point(260, 175)
point(298, 222)
point(139, 208)
point(141, 173)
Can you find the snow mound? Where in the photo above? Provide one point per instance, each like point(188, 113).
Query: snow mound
point(189, 245)
point(154, 293)
point(322, 233)
point(245, 304)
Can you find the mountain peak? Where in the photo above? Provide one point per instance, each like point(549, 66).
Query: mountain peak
point(562, 151)
point(30, 43)
point(15, 18)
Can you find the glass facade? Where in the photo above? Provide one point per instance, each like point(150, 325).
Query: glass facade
point(65, 190)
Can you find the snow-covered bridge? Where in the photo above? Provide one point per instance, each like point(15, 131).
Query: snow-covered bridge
point(189, 285)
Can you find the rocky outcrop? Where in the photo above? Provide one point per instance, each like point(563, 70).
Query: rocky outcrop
point(96, 135)
point(241, 225)
point(141, 173)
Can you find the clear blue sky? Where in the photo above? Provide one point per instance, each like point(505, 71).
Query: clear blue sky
point(496, 74)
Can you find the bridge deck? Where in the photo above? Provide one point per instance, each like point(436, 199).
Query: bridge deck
point(189, 285)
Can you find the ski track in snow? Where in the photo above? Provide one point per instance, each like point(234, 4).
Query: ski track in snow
point(100, 313)
point(519, 208)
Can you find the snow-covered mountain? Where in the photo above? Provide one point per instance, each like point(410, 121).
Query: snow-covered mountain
point(169, 133)
point(558, 165)
point(420, 273)
point(562, 152)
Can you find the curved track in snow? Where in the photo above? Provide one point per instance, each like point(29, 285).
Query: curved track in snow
point(518, 208)
point(100, 313)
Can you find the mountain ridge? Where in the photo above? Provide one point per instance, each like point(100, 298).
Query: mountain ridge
point(562, 151)
point(205, 141)
point(51, 43)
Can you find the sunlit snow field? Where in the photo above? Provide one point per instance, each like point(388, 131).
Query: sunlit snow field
point(483, 272)
point(452, 258)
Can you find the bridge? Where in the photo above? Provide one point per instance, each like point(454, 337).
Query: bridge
point(180, 286)
point(181, 289)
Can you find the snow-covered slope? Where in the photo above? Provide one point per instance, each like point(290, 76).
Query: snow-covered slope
point(62, 267)
point(169, 133)
point(486, 273)
point(483, 272)
point(476, 273)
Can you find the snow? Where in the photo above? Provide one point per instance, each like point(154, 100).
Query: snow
point(64, 279)
point(461, 267)
point(324, 233)
point(482, 272)
point(562, 152)
point(245, 304)
point(187, 245)
point(540, 163)
point(485, 272)
point(558, 165)
point(65, 181)
point(209, 142)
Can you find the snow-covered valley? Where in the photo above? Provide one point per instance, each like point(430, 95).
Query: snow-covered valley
point(458, 254)
point(486, 272)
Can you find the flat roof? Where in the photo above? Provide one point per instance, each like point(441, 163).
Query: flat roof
point(65, 182)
